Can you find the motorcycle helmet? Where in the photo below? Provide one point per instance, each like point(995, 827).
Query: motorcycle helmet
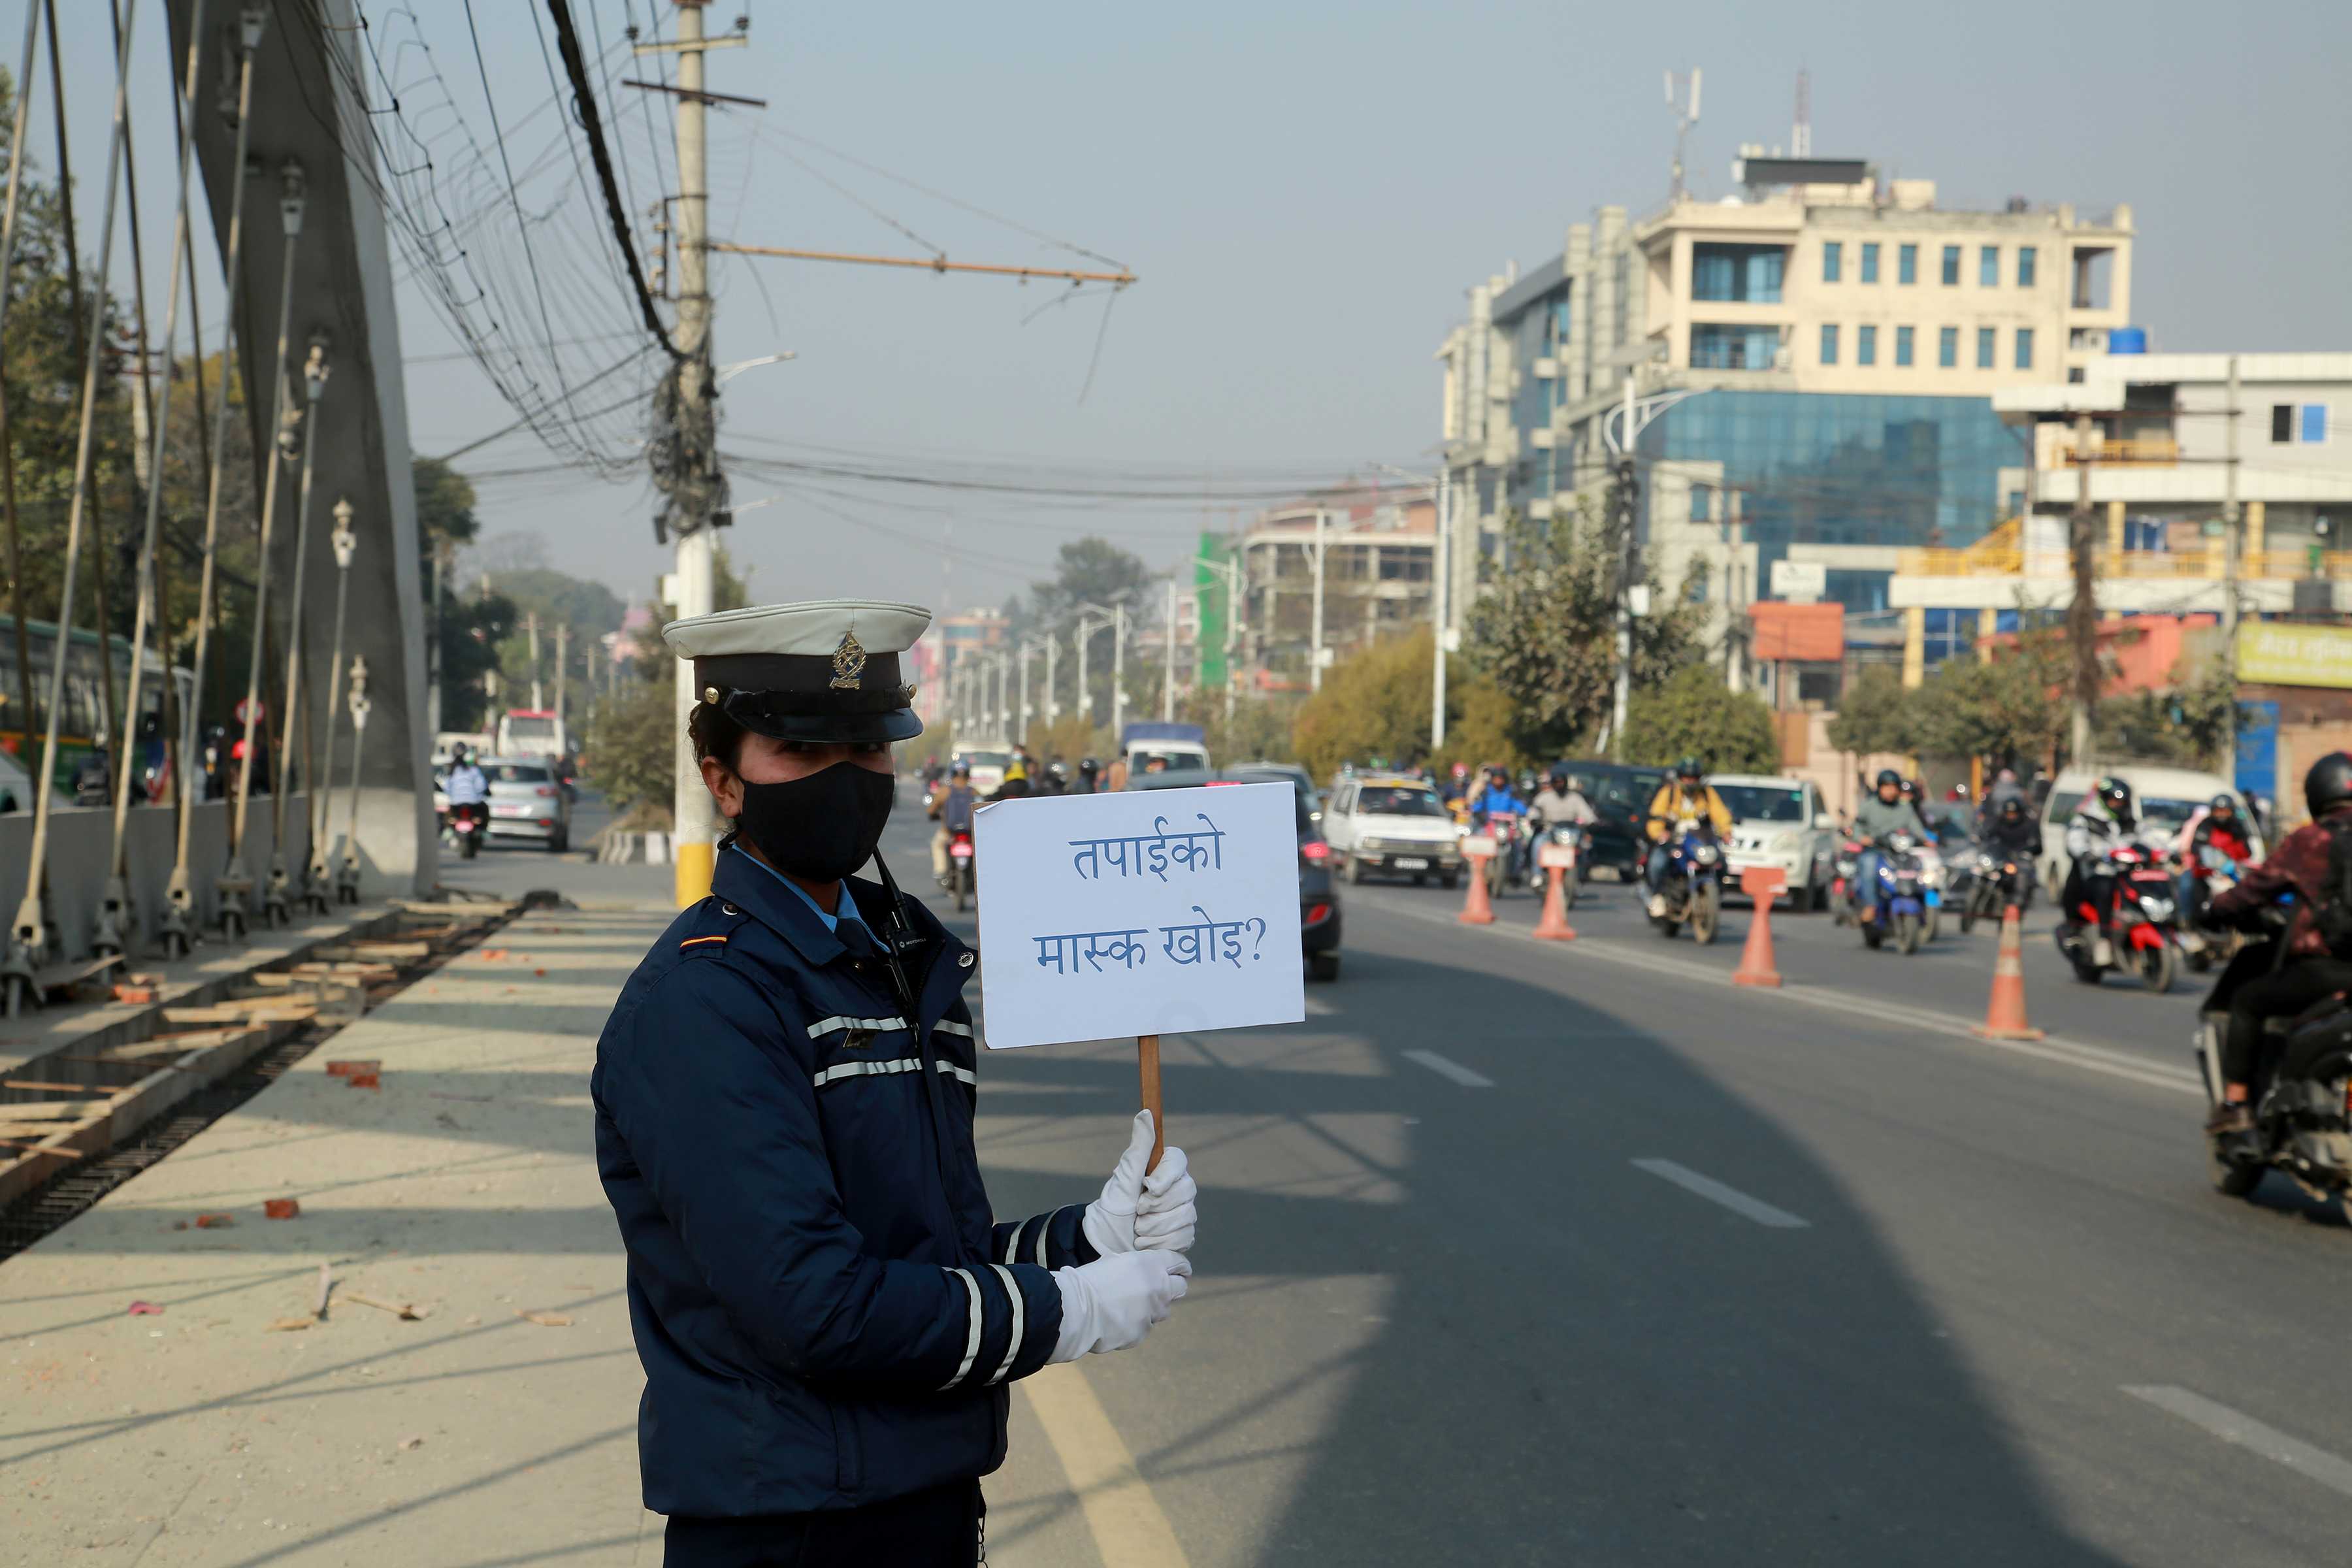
point(1088, 767)
point(2012, 808)
point(2116, 796)
point(1058, 769)
point(1910, 790)
point(2328, 784)
point(1557, 779)
point(963, 769)
point(1889, 776)
point(1461, 770)
point(458, 754)
point(2221, 805)
point(1688, 768)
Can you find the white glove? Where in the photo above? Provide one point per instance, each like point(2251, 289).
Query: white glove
point(1112, 1302)
point(1136, 1212)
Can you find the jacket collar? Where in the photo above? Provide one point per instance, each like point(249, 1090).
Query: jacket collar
point(755, 891)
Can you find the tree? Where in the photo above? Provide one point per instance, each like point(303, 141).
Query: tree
point(1545, 630)
point(1875, 715)
point(629, 751)
point(2187, 726)
point(1693, 714)
point(2008, 710)
point(1376, 703)
point(1087, 571)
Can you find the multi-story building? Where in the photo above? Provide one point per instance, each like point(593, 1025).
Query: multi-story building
point(1812, 364)
point(1376, 548)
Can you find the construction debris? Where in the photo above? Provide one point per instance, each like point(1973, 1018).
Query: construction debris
point(544, 1319)
point(408, 1311)
point(281, 1209)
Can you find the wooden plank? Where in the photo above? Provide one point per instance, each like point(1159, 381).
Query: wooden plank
point(92, 1090)
point(49, 977)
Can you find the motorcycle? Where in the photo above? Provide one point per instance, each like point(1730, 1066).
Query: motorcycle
point(1995, 882)
point(2220, 874)
point(2141, 924)
point(2302, 1126)
point(1934, 880)
point(1569, 836)
point(1692, 890)
point(469, 821)
point(1501, 868)
point(1846, 872)
point(959, 879)
point(1899, 899)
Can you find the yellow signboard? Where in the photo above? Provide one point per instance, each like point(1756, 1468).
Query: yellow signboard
point(2275, 653)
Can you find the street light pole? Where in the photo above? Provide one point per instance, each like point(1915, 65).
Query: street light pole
point(346, 545)
point(1315, 652)
point(1440, 595)
point(1168, 665)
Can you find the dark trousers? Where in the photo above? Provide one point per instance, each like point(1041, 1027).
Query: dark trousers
point(936, 1528)
point(2281, 995)
point(2094, 885)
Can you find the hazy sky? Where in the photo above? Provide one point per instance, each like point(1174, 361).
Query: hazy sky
point(1305, 190)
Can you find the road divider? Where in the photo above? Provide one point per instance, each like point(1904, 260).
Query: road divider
point(1732, 1198)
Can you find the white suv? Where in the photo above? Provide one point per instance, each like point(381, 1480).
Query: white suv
point(1395, 825)
point(1780, 821)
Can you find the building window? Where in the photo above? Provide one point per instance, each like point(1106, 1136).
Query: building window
point(1951, 267)
point(1984, 348)
point(1989, 266)
point(1870, 262)
point(1833, 253)
point(1717, 347)
point(1828, 343)
point(1738, 274)
point(2025, 267)
point(1700, 511)
point(1866, 346)
point(2298, 423)
point(1947, 347)
point(2025, 348)
point(1906, 264)
point(1902, 345)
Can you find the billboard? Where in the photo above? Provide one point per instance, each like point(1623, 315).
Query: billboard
point(2282, 653)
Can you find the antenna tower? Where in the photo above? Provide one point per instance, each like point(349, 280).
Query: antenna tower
point(1682, 97)
point(1801, 135)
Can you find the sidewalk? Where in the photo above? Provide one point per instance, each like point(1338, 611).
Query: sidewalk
point(465, 1185)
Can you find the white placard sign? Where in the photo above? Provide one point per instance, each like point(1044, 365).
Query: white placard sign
point(1146, 912)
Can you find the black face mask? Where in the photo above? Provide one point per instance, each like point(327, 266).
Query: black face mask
point(822, 828)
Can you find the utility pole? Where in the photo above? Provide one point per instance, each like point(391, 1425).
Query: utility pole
point(2230, 554)
point(1118, 672)
point(1315, 654)
point(1440, 601)
point(1053, 682)
point(1628, 510)
point(562, 647)
point(1735, 666)
point(1021, 739)
point(530, 625)
point(692, 590)
point(1168, 667)
point(2083, 615)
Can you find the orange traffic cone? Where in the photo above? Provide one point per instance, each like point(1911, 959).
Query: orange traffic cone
point(1757, 964)
point(2005, 1017)
point(1475, 910)
point(1554, 926)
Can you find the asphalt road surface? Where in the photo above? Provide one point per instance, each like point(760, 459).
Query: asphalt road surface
point(1524, 1252)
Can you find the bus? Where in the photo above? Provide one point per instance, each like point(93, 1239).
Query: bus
point(81, 714)
point(533, 732)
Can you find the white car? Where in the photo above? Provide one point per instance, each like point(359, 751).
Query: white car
point(1394, 825)
point(987, 765)
point(1780, 821)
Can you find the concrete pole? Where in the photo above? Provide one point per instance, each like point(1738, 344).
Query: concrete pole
point(696, 816)
point(1053, 679)
point(530, 627)
point(1023, 662)
point(1117, 674)
point(1315, 652)
point(1735, 668)
point(1440, 595)
point(1083, 634)
point(2083, 615)
point(2229, 555)
point(563, 652)
point(1168, 665)
point(1624, 692)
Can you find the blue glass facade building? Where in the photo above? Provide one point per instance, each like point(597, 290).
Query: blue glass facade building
point(1836, 469)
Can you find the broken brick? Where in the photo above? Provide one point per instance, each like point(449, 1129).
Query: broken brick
point(281, 1209)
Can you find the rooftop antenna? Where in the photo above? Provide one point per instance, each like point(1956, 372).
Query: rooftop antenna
point(1801, 135)
point(1685, 116)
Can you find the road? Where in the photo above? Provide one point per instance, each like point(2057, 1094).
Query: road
point(1528, 1252)
point(1518, 1252)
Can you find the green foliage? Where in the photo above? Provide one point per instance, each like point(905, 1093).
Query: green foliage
point(1875, 714)
point(1694, 714)
point(1377, 704)
point(2187, 726)
point(2010, 710)
point(1545, 631)
point(630, 751)
point(445, 507)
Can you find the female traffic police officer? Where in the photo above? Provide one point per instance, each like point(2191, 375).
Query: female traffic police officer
point(784, 1096)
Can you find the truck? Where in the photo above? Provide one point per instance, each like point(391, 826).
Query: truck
point(533, 732)
point(1175, 746)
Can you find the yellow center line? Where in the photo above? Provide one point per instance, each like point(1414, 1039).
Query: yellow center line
point(1125, 1518)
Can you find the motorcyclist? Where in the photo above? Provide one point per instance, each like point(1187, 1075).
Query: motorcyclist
point(2300, 864)
point(2004, 786)
point(1496, 798)
point(2014, 836)
point(953, 808)
point(1561, 801)
point(1686, 796)
point(1886, 809)
point(466, 786)
point(1089, 779)
point(1457, 788)
point(2104, 820)
point(1016, 786)
point(2216, 839)
point(1057, 777)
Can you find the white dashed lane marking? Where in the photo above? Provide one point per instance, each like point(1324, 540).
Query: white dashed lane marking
point(2235, 1427)
point(1715, 1191)
point(1454, 1070)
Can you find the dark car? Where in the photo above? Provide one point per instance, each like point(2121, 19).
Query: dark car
point(1318, 895)
point(1621, 797)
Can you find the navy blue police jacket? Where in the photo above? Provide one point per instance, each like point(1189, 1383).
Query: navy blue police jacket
point(826, 1314)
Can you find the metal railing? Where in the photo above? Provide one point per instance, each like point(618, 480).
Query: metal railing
point(2304, 565)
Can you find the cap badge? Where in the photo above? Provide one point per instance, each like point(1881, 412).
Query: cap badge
point(848, 663)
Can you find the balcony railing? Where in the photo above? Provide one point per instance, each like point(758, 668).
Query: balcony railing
point(2159, 450)
point(2306, 565)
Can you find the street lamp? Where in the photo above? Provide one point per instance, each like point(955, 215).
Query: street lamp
point(1441, 592)
point(347, 875)
point(346, 545)
point(277, 897)
point(1621, 438)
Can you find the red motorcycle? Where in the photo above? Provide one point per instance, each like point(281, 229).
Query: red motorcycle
point(469, 821)
point(2139, 932)
point(960, 868)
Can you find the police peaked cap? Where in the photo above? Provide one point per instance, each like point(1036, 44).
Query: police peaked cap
point(825, 672)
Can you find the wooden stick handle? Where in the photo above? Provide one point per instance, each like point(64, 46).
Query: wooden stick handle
point(1147, 1054)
